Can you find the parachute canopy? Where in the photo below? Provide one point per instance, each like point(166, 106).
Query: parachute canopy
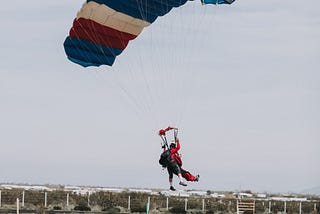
point(103, 28)
point(217, 1)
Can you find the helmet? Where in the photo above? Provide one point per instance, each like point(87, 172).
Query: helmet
point(172, 145)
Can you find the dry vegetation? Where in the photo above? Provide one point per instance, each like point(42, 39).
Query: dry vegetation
point(110, 202)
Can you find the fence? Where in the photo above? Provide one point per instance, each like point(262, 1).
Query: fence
point(245, 206)
point(127, 202)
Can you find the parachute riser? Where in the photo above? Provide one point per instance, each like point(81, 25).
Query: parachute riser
point(175, 133)
point(164, 141)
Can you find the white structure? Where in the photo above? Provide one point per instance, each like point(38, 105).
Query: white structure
point(140, 190)
point(199, 193)
point(216, 195)
point(288, 199)
point(245, 206)
point(178, 193)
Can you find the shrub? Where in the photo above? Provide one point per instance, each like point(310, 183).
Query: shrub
point(177, 209)
point(82, 206)
point(112, 210)
point(57, 208)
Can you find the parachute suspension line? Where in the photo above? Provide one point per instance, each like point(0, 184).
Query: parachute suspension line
point(139, 99)
point(137, 105)
point(122, 81)
point(156, 72)
point(164, 141)
point(162, 134)
point(184, 83)
point(97, 37)
point(136, 68)
point(147, 68)
point(200, 22)
point(113, 74)
point(182, 59)
point(168, 63)
point(87, 58)
point(175, 132)
point(148, 76)
point(192, 42)
point(159, 69)
point(143, 12)
point(148, 88)
point(145, 73)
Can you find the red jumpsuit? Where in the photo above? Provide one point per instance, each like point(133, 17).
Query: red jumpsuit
point(176, 156)
point(187, 175)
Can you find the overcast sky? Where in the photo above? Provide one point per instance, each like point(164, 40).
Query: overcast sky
point(241, 82)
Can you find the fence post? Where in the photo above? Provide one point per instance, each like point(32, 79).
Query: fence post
point(237, 206)
point(129, 202)
point(45, 199)
point(22, 199)
point(18, 205)
point(0, 198)
point(269, 206)
point(88, 199)
point(300, 209)
point(167, 203)
point(203, 204)
point(285, 207)
point(314, 206)
point(185, 204)
point(67, 199)
point(148, 205)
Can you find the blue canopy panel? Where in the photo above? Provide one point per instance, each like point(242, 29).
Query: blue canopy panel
point(217, 1)
point(87, 53)
point(147, 10)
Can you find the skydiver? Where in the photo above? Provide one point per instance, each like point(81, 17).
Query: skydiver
point(174, 165)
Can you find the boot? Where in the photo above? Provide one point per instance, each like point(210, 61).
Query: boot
point(182, 183)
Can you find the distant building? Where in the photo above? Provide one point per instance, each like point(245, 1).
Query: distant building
point(288, 199)
point(241, 195)
point(261, 195)
point(217, 195)
point(174, 193)
point(141, 190)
